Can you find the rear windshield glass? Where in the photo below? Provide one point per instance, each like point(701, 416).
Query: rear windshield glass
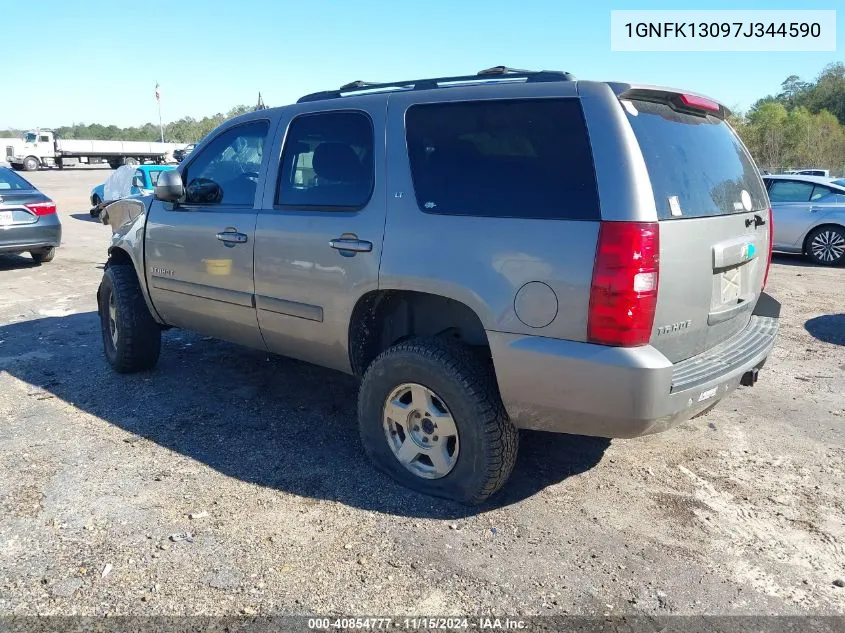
point(697, 165)
point(10, 180)
point(527, 158)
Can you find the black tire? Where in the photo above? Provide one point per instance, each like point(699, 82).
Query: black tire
point(95, 200)
point(825, 245)
point(43, 256)
point(138, 335)
point(30, 163)
point(467, 386)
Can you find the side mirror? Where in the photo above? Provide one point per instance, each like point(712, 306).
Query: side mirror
point(169, 187)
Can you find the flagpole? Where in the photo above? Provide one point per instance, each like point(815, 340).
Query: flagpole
point(160, 126)
point(158, 102)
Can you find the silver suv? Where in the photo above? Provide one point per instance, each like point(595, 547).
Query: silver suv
point(501, 251)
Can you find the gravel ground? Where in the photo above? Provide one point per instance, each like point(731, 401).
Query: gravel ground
point(739, 512)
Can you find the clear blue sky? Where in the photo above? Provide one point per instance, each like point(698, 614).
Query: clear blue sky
point(99, 60)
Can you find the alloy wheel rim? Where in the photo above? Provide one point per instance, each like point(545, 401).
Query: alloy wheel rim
point(828, 246)
point(421, 431)
point(113, 320)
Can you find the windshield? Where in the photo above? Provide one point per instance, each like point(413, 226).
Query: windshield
point(29, 137)
point(154, 176)
point(10, 180)
point(840, 182)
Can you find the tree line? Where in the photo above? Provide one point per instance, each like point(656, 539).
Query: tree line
point(802, 126)
point(185, 130)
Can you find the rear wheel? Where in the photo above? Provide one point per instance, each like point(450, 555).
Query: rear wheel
point(44, 255)
point(826, 245)
point(30, 163)
point(430, 415)
point(131, 338)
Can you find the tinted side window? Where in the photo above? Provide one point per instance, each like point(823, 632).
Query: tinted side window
point(226, 171)
point(527, 158)
point(327, 161)
point(790, 191)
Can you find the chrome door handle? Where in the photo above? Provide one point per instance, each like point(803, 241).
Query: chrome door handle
point(346, 244)
point(816, 209)
point(230, 238)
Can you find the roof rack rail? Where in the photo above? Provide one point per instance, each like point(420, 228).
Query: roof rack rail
point(495, 73)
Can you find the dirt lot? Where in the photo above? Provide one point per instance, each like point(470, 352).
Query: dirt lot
point(740, 512)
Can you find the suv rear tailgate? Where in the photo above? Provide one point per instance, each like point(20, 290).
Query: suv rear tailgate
point(713, 212)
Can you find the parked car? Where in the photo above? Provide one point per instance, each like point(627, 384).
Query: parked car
point(129, 180)
point(489, 252)
point(823, 173)
point(809, 217)
point(28, 219)
point(181, 154)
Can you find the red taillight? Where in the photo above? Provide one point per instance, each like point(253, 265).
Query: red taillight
point(700, 103)
point(42, 208)
point(771, 242)
point(623, 295)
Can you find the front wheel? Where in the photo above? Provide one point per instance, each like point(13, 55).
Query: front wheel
point(430, 415)
point(826, 245)
point(31, 163)
point(131, 338)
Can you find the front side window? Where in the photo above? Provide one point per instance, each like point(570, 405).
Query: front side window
point(527, 158)
point(44, 139)
point(226, 172)
point(327, 161)
point(790, 191)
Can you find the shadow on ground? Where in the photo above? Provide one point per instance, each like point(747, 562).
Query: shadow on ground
point(793, 259)
point(85, 217)
point(262, 419)
point(11, 262)
point(829, 328)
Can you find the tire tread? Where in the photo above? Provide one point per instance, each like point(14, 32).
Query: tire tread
point(477, 380)
point(141, 335)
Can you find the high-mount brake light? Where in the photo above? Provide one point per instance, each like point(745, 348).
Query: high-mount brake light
point(700, 103)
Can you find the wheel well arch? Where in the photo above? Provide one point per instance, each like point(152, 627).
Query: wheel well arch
point(805, 247)
point(382, 318)
point(119, 257)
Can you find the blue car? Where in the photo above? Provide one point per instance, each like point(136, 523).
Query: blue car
point(124, 182)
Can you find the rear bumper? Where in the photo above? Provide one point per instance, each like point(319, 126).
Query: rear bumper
point(45, 233)
point(570, 387)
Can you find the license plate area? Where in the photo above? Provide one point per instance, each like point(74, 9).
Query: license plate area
point(5, 218)
point(730, 285)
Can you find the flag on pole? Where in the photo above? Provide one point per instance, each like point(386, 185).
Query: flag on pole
point(158, 92)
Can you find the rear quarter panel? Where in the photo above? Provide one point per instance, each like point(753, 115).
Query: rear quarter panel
point(483, 262)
